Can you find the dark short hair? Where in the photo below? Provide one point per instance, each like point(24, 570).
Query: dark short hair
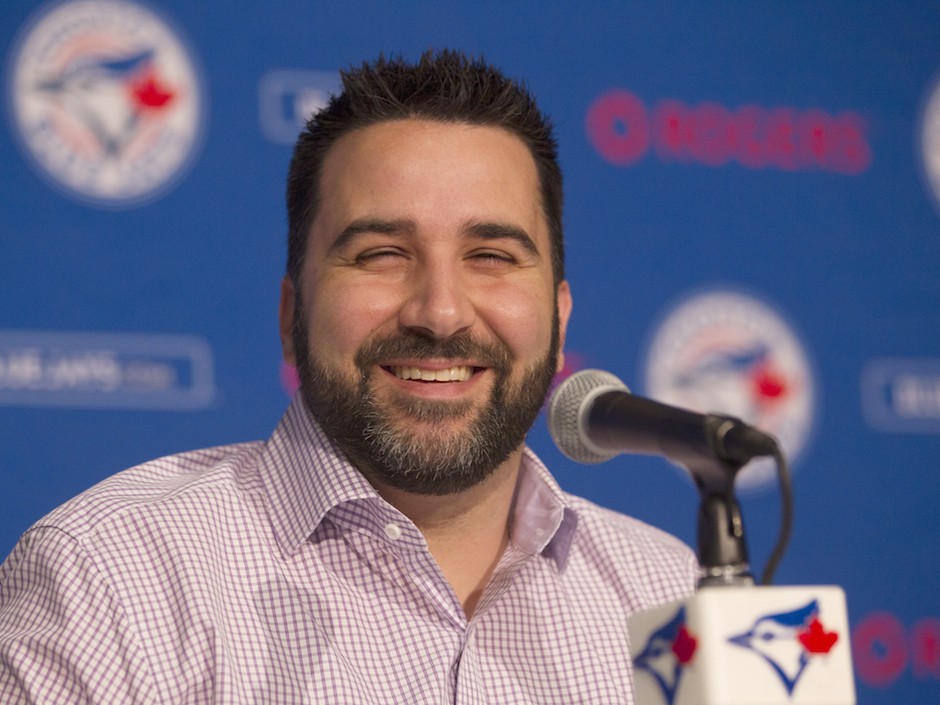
point(444, 86)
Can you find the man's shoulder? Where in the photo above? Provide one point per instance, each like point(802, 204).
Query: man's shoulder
point(615, 529)
point(156, 484)
point(646, 565)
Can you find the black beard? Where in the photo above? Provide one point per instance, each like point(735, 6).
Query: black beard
point(433, 462)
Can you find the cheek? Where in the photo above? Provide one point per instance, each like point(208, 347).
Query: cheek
point(522, 318)
point(341, 319)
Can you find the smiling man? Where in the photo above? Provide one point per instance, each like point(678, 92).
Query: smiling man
point(425, 323)
point(394, 541)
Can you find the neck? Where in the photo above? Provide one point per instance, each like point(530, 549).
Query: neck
point(466, 532)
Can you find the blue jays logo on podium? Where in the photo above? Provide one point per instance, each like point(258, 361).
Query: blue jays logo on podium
point(786, 641)
point(728, 352)
point(745, 645)
point(106, 101)
point(666, 653)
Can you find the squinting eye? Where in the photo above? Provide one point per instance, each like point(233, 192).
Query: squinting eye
point(494, 257)
point(376, 255)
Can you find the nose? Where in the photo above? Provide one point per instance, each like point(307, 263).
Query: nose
point(438, 303)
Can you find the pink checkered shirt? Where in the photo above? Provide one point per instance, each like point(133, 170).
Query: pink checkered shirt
point(273, 573)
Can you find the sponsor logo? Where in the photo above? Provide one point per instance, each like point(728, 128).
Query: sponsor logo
point(930, 140)
point(287, 99)
point(901, 395)
point(666, 654)
point(104, 370)
point(884, 649)
point(787, 641)
point(623, 130)
point(106, 101)
point(726, 352)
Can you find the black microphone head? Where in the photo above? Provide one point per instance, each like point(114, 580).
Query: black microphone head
point(567, 410)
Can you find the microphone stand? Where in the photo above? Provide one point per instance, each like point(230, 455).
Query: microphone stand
point(731, 642)
point(722, 547)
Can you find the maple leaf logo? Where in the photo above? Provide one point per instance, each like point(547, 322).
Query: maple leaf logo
point(816, 639)
point(149, 93)
point(684, 646)
point(768, 385)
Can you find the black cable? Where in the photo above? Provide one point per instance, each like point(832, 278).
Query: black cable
point(786, 517)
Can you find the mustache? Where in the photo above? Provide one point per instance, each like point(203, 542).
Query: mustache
point(414, 345)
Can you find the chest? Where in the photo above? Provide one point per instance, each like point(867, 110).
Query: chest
point(348, 623)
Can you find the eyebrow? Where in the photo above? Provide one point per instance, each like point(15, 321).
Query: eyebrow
point(370, 225)
point(503, 231)
point(480, 229)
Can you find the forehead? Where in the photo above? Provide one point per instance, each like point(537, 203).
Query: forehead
point(434, 173)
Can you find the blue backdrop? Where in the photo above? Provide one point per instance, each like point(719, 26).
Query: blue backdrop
point(752, 223)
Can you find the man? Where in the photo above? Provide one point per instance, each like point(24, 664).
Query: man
point(394, 541)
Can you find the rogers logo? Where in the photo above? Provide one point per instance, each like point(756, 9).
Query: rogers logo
point(623, 131)
point(884, 649)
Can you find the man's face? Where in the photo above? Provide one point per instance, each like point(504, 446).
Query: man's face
point(428, 326)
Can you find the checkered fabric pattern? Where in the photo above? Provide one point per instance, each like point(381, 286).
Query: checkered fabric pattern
point(273, 573)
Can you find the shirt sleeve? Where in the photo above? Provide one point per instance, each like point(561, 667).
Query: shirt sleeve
point(64, 637)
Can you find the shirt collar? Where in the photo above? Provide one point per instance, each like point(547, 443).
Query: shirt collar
point(305, 475)
point(543, 520)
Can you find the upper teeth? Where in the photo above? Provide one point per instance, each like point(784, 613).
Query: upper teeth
point(451, 374)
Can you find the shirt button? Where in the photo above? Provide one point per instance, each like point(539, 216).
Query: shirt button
point(393, 531)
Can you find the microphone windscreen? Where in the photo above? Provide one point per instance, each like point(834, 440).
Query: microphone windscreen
point(569, 405)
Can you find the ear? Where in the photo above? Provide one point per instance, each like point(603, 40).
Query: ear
point(285, 315)
point(564, 303)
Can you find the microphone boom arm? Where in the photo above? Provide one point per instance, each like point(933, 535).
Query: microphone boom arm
point(713, 452)
point(722, 547)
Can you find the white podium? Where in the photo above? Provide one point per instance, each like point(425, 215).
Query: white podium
point(745, 645)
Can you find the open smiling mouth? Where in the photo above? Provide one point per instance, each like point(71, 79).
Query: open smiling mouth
point(458, 373)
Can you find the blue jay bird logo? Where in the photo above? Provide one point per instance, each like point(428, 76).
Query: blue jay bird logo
point(787, 641)
point(106, 100)
point(668, 650)
point(726, 351)
point(111, 96)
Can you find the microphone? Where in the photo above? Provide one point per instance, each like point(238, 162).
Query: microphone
point(592, 417)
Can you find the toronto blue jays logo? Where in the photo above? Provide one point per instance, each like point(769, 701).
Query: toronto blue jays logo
point(787, 641)
point(726, 351)
point(111, 97)
point(668, 650)
point(106, 100)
